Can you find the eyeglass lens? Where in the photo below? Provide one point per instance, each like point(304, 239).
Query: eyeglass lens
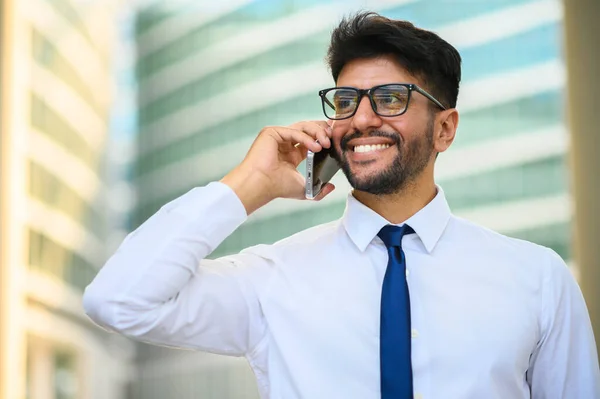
point(387, 100)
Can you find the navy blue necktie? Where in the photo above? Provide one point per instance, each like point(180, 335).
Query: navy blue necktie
point(395, 336)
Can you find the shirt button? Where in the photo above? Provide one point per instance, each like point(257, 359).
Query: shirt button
point(418, 396)
point(414, 333)
point(407, 272)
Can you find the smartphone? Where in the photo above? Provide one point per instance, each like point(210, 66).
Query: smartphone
point(320, 168)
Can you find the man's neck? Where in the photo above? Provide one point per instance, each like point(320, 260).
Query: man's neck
point(398, 207)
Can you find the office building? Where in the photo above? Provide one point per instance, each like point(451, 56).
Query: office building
point(55, 215)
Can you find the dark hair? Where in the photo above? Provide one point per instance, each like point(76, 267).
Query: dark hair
point(423, 54)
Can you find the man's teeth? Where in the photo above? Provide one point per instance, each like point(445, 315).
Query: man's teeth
point(368, 148)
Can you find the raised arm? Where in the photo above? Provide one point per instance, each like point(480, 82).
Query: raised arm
point(159, 287)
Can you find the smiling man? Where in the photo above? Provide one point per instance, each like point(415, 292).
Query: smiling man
point(397, 299)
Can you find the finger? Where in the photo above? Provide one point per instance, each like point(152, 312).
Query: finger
point(295, 137)
point(300, 187)
point(324, 124)
point(325, 191)
point(320, 130)
point(300, 154)
point(321, 123)
point(302, 150)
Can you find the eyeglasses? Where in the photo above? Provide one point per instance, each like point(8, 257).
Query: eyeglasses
point(386, 100)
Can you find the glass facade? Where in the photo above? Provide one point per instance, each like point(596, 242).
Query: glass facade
point(52, 120)
point(47, 54)
point(65, 376)
point(50, 257)
point(53, 371)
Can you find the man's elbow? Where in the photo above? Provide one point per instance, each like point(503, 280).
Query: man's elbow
point(99, 307)
point(112, 314)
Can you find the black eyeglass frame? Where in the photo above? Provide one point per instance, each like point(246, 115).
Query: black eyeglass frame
point(369, 93)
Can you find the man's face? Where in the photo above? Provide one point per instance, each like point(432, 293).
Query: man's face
point(399, 148)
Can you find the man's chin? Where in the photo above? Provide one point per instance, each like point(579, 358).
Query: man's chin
point(372, 186)
point(370, 180)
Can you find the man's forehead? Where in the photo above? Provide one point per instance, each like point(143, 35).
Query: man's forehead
point(365, 73)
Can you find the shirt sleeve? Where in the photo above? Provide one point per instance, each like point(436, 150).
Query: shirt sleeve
point(159, 288)
point(565, 362)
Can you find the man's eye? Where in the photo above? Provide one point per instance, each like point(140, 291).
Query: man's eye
point(344, 102)
point(391, 100)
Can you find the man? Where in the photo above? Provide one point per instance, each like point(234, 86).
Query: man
point(398, 298)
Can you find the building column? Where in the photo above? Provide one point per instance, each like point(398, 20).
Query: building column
point(3, 172)
point(582, 53)
point(42, 372)
point(12, 192)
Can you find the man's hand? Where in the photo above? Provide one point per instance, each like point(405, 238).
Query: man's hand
point(269, 170)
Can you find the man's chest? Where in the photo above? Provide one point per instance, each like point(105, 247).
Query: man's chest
point(462, 318)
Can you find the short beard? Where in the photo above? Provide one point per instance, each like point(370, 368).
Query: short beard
point(411, 160)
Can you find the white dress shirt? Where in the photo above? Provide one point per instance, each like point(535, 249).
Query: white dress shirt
point(492, 317)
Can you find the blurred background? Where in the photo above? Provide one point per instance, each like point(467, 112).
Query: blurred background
point(111, 108)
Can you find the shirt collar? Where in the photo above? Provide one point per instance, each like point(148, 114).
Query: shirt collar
point(363, 224)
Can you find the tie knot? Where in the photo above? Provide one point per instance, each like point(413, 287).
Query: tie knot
point(392, 235)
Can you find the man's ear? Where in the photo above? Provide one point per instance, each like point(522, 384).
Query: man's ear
point(445, 132)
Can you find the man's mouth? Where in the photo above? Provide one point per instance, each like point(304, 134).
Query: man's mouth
point(370, 147)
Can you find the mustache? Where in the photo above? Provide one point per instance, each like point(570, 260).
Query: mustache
point(375, 133)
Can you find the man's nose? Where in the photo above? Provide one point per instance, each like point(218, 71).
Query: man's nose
point(365, 118)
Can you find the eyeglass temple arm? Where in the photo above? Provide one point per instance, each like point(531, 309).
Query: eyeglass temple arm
point(430, 97)
point(328, 102)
